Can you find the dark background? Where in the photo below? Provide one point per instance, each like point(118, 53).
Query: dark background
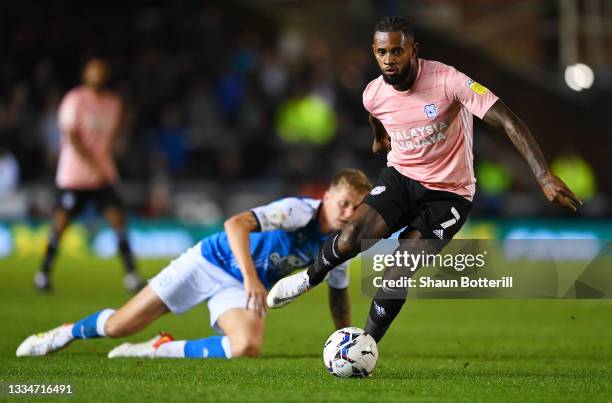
point(204, 82)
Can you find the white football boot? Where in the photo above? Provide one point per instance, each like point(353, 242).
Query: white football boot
point(287, 289)
point(47, 342)
point(146, 349)
point(42, 281)
point(133, 283)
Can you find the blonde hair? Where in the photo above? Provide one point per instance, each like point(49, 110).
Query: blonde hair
point(352, 178)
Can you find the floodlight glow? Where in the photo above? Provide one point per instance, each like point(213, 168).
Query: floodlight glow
point(579, 76)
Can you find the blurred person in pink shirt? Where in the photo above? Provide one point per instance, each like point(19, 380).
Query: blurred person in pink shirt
point(421, 113)
point(90, 118)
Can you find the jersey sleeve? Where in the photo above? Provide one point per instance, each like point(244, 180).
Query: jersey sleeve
point(67, 116)
point(366, 101)
point(367, 97)
point(339, 277)
point(287, 214)
point(475, 97)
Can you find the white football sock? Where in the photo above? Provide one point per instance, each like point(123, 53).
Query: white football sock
point(64, 336)
point(101, 321)
point(227, 348)
point(171, 349)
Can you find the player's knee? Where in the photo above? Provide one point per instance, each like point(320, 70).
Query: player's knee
point(350, 238)
point(245, 348)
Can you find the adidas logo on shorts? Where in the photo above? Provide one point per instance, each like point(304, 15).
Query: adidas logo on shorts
point(439, 233)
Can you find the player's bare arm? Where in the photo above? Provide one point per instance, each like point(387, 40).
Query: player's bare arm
point(556, 191)
point(75, 140)
point(340, 307)
point(238, 228)
point(382, 142)
point(119, 129)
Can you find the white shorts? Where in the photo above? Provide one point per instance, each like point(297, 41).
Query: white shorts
point(190, 280)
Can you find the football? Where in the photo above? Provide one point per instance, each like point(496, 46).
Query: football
point(350, 351)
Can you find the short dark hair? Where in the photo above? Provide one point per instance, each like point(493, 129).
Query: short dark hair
point(395, 24)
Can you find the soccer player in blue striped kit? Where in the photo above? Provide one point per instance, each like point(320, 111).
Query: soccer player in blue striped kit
point(232, 270)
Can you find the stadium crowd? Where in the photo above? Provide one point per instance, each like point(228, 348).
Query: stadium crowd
point(213, 96)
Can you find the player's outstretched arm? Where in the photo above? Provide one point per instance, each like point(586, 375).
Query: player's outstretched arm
point(86, 155)
point(238, 228)
point(120, 129)
point(382, 142)
point(556, 191)
point(340, 306)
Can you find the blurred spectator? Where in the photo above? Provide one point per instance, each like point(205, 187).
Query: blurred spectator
point(577, 173)
point(203, 120)
point(494, 182)
point(169, 142)
point(9, 172)
point(17, 127)
point(494, 179)
point(49, 129)
point(13, 203)
point(160, 197)
point(230, 91)
point(273, 75)
point(306, 119)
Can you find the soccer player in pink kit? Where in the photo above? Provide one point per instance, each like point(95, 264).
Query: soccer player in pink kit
point(421, 113)
point(90, 118)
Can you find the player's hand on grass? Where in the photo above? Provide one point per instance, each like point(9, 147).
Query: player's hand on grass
point(557, 192)
point(256, 296)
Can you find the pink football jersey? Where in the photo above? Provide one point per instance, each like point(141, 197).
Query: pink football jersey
point(431, 125)
point(95, 117)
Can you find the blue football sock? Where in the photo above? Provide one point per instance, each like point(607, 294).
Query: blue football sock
point(92, 326)
point(210, 347)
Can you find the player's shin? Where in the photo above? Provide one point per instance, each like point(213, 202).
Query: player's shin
point(385, 306)
point(126, 252)
point(210, 347)
point(132, 281)
point(164, 346)
point(328, 258)
point(50, 252)
point(92, 326)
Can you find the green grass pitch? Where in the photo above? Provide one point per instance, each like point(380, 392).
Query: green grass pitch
point(437, 350)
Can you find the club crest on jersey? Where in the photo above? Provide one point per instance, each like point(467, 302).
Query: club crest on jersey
point(165, 281)
point(431, 111)
point(378, 190)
